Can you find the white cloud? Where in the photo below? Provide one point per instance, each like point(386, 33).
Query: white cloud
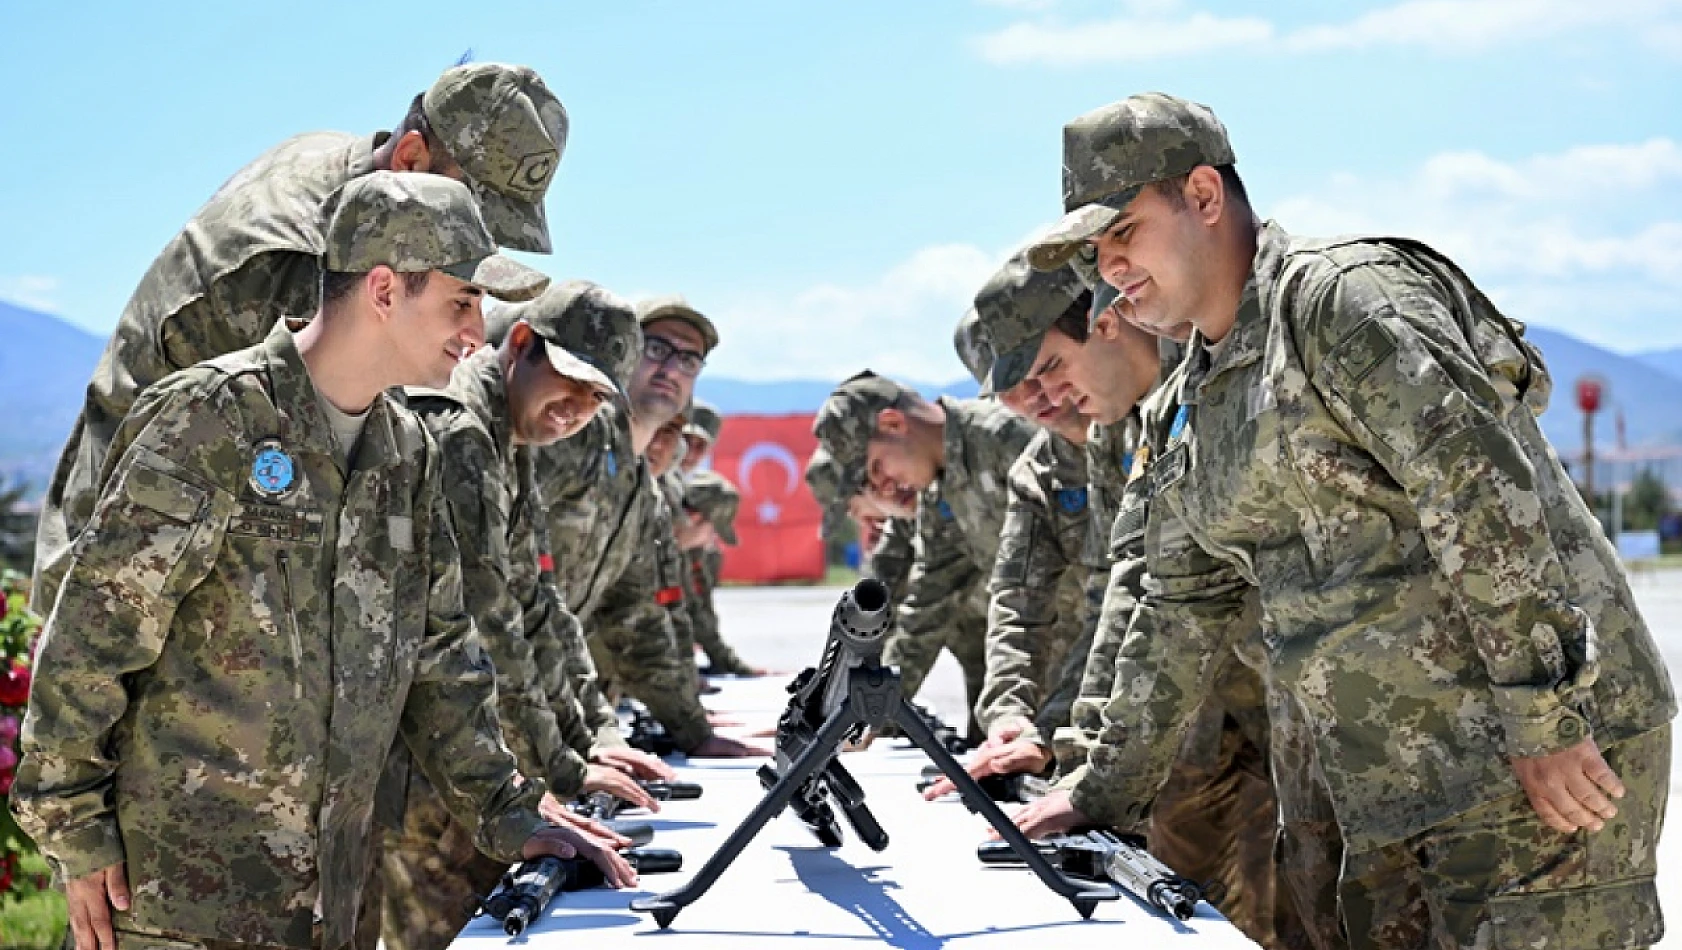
point(1588, 240)
point(35, 291)
point(1156, 31)
point(899, 323)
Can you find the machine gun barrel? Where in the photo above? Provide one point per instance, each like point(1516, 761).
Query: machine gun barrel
point(528, 887)
point(1102, 855)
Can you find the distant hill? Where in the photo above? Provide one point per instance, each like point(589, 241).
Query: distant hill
point(1647, 396)
point(45, 365)
point(1666, 361)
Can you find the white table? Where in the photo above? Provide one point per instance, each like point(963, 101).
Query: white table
point(926, 890)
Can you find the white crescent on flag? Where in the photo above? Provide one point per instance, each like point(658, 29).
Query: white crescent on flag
point(769, 510)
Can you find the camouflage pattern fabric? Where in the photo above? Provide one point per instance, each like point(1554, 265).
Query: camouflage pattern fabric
point(602, 522)
point(704, 566)
point(890, 560)
point(704, 420)
point(247, 258)
point(431, 876)
point(336, 602)
point(1496, 876)
point(1038, 589)
point(1017, 307)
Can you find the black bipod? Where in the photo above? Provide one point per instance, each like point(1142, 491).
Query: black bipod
point(873, 698)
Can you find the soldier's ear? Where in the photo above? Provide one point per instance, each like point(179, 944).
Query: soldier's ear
point(381, 286)
point(410, 154)
point(519, 337)
point(1205, 193)
point(890, 422)
point(1107, 325)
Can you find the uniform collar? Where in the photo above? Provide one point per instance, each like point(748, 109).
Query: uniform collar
point(955, 467)
point(1246, 341)
point(360, 160)
point(479, 385)
point(303, 424)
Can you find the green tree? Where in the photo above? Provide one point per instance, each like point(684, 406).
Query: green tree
point(17, 528)
point(1646, 502)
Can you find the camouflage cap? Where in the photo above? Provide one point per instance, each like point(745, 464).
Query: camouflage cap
point(847, 420)
point(506, 130)
point(416, 223)
point(704, 421)
point(674, 307)
point(974, 349)
point(828, 482)
point(1017, 306)
point(716, 499)
point(590, 332)
point(1111, 154)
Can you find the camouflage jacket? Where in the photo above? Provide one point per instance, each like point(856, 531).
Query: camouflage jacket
point(488, 491)
point(1040, 582)
point(959, 522)
point(1362, 463)
point(245, 259)
point(243, 630)
point(890, 560)
point(704, 565)
point(605, 529)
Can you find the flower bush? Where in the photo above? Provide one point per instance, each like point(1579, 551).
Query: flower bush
point(18, 630)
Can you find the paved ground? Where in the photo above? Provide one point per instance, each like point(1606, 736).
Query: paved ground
point(783, 628)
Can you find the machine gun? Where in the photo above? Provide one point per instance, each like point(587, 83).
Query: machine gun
point(949, 737)
point(528, 887)
point(1099, 855)
point(649, 734)
point(603, 806)
point(832, 703)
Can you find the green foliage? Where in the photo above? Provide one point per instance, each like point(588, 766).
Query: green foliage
point(17, 529)
point(18, 629)
point(1646, 502)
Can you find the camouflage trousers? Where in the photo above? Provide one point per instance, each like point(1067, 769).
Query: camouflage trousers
point(129, 940)
point(1497, 877)
point(1216, 821)
point(432, 875)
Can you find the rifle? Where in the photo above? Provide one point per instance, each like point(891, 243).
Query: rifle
point(1099, 855)
point(528, 887)
point(830, 704)
point(649, 734)
point(949, 737)
point(1015, 787)
point(603, 806)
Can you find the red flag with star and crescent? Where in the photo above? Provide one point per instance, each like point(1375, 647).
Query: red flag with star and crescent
point(778, 522)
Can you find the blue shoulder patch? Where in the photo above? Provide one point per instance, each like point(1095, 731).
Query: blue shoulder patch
point(1179, 425)
point(1072, 500)
point(612, 464)
point(945, 510)
point(272, 470)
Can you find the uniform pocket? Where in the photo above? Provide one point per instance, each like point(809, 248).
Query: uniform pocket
point(1604, 917)
point(144, 526)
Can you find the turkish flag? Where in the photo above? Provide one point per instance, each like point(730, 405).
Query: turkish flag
point(778, 522)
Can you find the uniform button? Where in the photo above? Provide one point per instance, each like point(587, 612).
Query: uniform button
point(1569, 728)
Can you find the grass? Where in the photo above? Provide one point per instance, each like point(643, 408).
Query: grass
point(36, 922)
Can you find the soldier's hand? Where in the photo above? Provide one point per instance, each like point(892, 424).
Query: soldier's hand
point(553, 811)
point(564, 841)
point(606, 778)
point(1572, 788)
point(719, 747)
point(635, 762)
point(90, 898)
point(1010, 758)
point(1054, 814)
point(1003, 731)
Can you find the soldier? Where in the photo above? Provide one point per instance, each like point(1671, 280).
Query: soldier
point(279, 500)
point(700, 432)
point(1355, 447)
point(706, 561)
point(884, 542)
point(251, 254)
point(531, 390)
point(605, 518)
point(945, 464)
point(1044, 595)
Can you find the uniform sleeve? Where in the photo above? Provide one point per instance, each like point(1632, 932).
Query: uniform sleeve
point(890, 562)
point(1194, 609)
point(152, 539)
point(942, 576)
point(636, 630)
point(1023, 609)
point(1399, 376)
point(1056, 714)
point(476, 492)
point(703, 616)
point(450, 718)
point(598, 719)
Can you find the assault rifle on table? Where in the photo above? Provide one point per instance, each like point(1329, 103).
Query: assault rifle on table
point(1104, 856)
point(949, 737)
point(649, 734)
point(603, 806)
point(1015, 787)
point(832, 703)
point(528, 887)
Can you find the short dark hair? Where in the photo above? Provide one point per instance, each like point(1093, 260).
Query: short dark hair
point(1073, 321)
point(415, 120)
point(337, 285)
point(1173, 190)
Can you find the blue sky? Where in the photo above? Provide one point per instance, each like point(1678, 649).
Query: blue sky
point(833, 181)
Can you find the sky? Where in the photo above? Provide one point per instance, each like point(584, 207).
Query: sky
point(832, 182)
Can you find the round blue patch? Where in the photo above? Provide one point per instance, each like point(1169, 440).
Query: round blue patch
point(272, 471)
point(1072, 500)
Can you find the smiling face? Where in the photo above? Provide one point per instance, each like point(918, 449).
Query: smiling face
point(431, 331)
point(1160, 253)
point(543, 405)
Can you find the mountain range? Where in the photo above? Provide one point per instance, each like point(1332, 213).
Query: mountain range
point(46, 363)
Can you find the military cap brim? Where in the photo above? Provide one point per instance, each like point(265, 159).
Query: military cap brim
point(521, 225)
point(500, 277)
point(1011, 368)
point(1079, 226)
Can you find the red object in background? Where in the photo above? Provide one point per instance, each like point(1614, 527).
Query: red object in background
point(1590, 390)
point(777, 523)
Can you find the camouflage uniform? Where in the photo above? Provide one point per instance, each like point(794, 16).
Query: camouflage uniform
point(959, 522)
point(432, 871)
point(703, 564)
point(1364, 454)
point(250, 256)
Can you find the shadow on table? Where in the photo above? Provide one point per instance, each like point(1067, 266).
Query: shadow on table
point(672, 824)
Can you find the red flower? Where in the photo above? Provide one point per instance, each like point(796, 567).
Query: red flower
point(6, 783)
point(5, 604)
point(14, 685)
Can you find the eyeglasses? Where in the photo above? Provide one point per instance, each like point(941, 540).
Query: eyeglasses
point(660, 351)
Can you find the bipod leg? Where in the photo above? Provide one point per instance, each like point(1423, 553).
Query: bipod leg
point(665, 906)
point(1085, 896)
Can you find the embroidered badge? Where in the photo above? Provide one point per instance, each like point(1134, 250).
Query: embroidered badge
point(272, 471)
point(1136, 464)
point(1071, 500)
point(1179, 425)
point(612, 464)
point(945, 510)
